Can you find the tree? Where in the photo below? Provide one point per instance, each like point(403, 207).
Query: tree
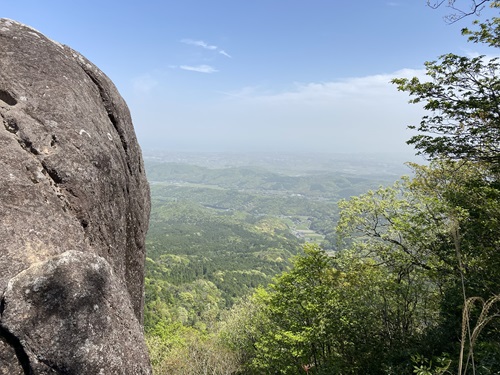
point(396, 291)
point(487, 32)
point(463, 98)
point(403, 234)
point(297, 333)
point(333, 314)
point(242, 326)
point(439, 234)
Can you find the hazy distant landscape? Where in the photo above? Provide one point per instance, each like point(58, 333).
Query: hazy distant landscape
point(358, 164)
point(245, 215)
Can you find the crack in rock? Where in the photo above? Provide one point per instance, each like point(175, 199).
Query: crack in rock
point(2, 307)
point(55, 178)
point(111, 111)
point(13, 341)
point(54, 175)
point(10, 125)
point(7, 98)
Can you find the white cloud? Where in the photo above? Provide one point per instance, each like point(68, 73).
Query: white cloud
point(222, 52)
point(203, 68)
point(199, 68)
point(321, 93)
point(357, 114)
point(204, 45)
point(486, 57)
point(199, 43)
point(245, 92)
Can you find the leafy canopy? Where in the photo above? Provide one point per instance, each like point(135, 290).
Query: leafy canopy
point(462, 95)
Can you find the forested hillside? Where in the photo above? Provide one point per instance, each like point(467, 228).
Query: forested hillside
point(234, 227)
point(218, 232)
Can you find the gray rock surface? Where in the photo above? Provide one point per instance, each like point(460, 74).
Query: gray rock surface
point(74, 208)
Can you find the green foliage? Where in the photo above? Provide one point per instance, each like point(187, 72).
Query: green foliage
point(236, 253)
point(437, 366)
point(462, 96)
point(335, 315)
point(487, 32)
point(438, 232)
point(393, 297)
point(178, 350)
point(242, 326)
point(295, 305)
point(463, 99)
point(210, 245)
point(395, 291)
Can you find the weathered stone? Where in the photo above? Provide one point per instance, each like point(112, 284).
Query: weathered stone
point(75, 312)
point(8, 356)
point(72, 190)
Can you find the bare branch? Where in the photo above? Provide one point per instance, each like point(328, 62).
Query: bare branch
point(475, 8)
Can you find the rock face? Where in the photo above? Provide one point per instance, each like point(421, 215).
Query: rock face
point(74, 208)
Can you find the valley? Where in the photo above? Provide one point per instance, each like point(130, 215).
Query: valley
point(222, 225)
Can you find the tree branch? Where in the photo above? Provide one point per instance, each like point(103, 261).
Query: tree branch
point(475, 9)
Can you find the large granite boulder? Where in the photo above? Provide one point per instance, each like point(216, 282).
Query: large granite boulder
point(74, 208)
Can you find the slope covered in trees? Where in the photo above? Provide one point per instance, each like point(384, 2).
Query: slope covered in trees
point(217, 233)
point(205, 225)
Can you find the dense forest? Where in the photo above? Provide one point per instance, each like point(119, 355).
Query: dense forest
point(252, 270)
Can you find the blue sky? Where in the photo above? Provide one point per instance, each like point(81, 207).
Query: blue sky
point(257, 75)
